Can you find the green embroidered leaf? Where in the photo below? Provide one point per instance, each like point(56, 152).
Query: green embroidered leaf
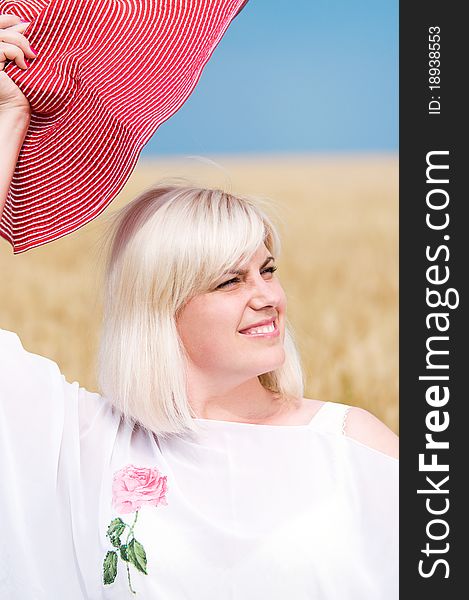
point(114, 531)
point(137, 555)
point(124, 554)
point(110, 567)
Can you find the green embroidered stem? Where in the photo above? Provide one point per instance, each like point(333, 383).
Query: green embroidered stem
point(133, 524)
point(131, 531)
point(128, 578)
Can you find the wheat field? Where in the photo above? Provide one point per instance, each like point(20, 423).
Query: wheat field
point(338, 220)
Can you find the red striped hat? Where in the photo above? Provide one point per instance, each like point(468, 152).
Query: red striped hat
point(107, 74)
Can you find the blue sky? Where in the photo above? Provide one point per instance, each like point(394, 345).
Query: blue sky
point(298, 77)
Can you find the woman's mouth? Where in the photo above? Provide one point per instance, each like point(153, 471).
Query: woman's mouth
point(268, 330)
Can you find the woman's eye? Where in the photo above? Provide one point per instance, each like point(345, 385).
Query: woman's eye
point(229, 282)
point(270, 270)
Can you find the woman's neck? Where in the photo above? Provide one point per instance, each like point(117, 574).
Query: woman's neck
point(248, 402)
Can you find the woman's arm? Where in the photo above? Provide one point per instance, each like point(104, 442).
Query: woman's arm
point(14, 108)
point(13, 128)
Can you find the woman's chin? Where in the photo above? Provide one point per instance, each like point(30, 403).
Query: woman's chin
point(272, 365)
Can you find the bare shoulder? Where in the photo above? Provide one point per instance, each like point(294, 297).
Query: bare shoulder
point(364, 427)
point(300, 412)
point(309, 407)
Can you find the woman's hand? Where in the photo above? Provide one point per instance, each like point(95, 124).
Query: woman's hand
point(11, 97)
point(15, 110)
point(13, 44)
point(15, 47)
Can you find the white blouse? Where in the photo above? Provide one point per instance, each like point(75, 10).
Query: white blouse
point(91, 508)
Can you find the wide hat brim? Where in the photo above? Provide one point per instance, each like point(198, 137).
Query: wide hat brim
point(108, 73)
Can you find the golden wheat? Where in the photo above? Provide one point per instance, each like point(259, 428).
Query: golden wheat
point(338, 221)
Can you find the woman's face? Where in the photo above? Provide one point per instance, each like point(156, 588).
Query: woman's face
point(216, 327)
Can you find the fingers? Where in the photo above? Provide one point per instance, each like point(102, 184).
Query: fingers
point(13, 44)
point(21, 27)
point(17, 39)
point(11, 52)
point(9, 21)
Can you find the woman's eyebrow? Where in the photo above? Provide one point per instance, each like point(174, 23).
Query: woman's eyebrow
point(244, 271)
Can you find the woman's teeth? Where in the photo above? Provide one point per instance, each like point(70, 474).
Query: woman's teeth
point(265, 329)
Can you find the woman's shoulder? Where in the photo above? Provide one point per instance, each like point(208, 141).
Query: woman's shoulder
point(16, 360)
point(25, 374)
point(355, 423)
point(9, 340)
point(364, 427)
point(37, 402)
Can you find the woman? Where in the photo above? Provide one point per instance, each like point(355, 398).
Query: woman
point(202, 471)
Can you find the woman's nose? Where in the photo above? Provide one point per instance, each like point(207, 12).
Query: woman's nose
point(266, 293)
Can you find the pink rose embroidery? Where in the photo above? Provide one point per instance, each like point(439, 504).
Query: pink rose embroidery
point(132, 488)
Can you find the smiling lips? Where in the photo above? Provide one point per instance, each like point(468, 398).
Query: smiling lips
point(269, 329)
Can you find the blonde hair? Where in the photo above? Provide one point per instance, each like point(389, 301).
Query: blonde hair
point(168, 245)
